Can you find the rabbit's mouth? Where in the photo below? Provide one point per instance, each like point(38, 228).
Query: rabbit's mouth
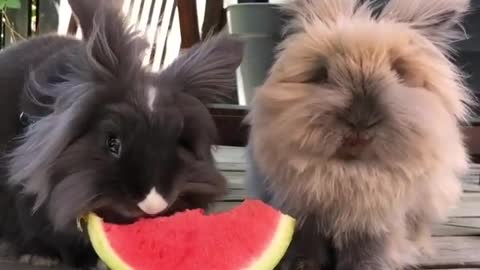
point(125, 212)
point(357, 139)
point(354, 146)
point(125, 215)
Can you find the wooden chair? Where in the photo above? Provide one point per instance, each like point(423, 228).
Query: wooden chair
point(169, 25)
point(157, 19)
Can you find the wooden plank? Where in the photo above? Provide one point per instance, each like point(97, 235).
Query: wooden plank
point(465, 222)
point(235, 195)
point(225, 166)
point(222, 206)
point(236, 179)
point(469, 206)
point(458, 227)
point(454, 251)
point(471, 188)
point(442, 230)
point(214, 19)
point(230, 158)
point(187, 11)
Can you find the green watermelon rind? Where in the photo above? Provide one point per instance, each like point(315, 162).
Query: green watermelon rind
point(100, 243)
point(270, 257)
point(277, 247)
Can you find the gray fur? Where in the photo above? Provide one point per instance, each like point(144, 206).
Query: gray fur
point(46, 140)
point(363, 252)
point(207, 80)
point(86, 92)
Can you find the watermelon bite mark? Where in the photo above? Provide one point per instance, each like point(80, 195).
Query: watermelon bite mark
point(252, 236)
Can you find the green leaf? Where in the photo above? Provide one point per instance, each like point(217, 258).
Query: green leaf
point(13, 4)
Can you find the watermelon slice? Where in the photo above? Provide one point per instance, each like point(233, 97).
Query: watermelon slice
point(252, 236)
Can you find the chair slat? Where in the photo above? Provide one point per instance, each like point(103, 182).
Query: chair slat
point(161, 28)
point(173, 42)
point(126, 6)
point(144, 15)
point(64, 15)
point(162, 33)
point(79, 33)
point(134, 12)
point(152, 27)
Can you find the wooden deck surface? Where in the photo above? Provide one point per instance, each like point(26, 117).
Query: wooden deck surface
point(457, 241)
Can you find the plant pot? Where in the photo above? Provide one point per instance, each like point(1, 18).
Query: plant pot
point(260, 26)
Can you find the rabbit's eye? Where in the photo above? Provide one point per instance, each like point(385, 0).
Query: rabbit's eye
point(407, 74)
point(320, 75)
point(399, 67)
point(114, 145)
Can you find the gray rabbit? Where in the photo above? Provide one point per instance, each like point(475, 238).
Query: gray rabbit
point(85, 127)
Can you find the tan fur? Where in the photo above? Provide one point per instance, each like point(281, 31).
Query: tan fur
point(409, 176)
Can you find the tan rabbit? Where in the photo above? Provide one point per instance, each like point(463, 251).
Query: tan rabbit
point(356, 132)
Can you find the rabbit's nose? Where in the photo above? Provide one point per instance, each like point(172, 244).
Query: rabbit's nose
point(363, 113)
point(154, 203)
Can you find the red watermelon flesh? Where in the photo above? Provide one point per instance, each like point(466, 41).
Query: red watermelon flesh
point(250, 236)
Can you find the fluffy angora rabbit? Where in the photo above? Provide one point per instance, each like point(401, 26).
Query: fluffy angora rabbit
point(86, 128)
point(356, 132)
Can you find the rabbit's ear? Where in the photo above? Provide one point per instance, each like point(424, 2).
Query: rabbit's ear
point(114, 50)
point(207, 70)
point(436, 19)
